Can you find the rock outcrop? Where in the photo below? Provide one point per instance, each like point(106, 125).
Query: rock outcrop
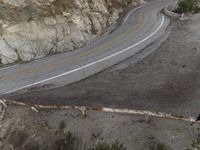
point(32, 29)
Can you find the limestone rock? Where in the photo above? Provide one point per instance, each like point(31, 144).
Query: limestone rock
point(31, 29)
point(7, 53)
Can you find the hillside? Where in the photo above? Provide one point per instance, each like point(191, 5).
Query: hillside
point(32, 29)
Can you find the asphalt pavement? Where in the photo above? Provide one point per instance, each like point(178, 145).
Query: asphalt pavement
point(141, 27)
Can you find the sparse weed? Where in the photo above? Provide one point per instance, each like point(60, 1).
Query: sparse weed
point(196, 143)
point(62, 125)
point(161, 147)
point(104, 146)
point(67, 143)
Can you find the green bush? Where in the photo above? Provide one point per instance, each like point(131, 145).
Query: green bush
point(196, 143)
point(185, 6)
point(104, 146)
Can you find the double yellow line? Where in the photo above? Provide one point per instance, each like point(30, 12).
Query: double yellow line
point(102, 48)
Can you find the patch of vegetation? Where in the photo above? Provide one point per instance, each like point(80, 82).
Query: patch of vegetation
point(104, 146)
point(17, 138)
point(185, 6)
point(62, 125)
point(67, 143)
point(156, 145)
point(161, 147)
point(196, 143)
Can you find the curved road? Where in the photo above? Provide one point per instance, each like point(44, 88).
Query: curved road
point(141, 27)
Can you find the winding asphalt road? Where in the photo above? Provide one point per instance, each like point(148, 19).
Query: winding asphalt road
point(141, 27)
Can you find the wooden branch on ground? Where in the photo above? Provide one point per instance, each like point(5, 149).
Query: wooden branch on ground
point(83, 109)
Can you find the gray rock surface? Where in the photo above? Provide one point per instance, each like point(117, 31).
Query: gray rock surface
point(32, 29)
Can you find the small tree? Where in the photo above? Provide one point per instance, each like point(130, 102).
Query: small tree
point(185, 6)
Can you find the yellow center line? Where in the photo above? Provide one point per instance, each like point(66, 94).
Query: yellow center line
point(77, 57)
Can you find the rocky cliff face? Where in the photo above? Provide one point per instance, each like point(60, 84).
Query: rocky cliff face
point(32, 29)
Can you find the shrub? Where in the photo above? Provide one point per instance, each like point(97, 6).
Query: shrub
point(185, 6)
point(62, 125)
point(104, 146)
point(161, 147)
point(67, 143)
point(196, 143)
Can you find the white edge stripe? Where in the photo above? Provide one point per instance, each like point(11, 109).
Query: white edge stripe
point(93, 63)
point(130, 13)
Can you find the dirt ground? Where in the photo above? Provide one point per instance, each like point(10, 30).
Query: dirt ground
point(168, 80)
point(24, 129)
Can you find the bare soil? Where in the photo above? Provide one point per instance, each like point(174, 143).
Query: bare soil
point(24, 129)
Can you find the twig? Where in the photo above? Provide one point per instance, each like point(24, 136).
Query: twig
point(34, 109)
point(4, 106)
point(3, 102)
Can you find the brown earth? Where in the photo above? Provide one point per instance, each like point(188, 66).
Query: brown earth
point(24, 129)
